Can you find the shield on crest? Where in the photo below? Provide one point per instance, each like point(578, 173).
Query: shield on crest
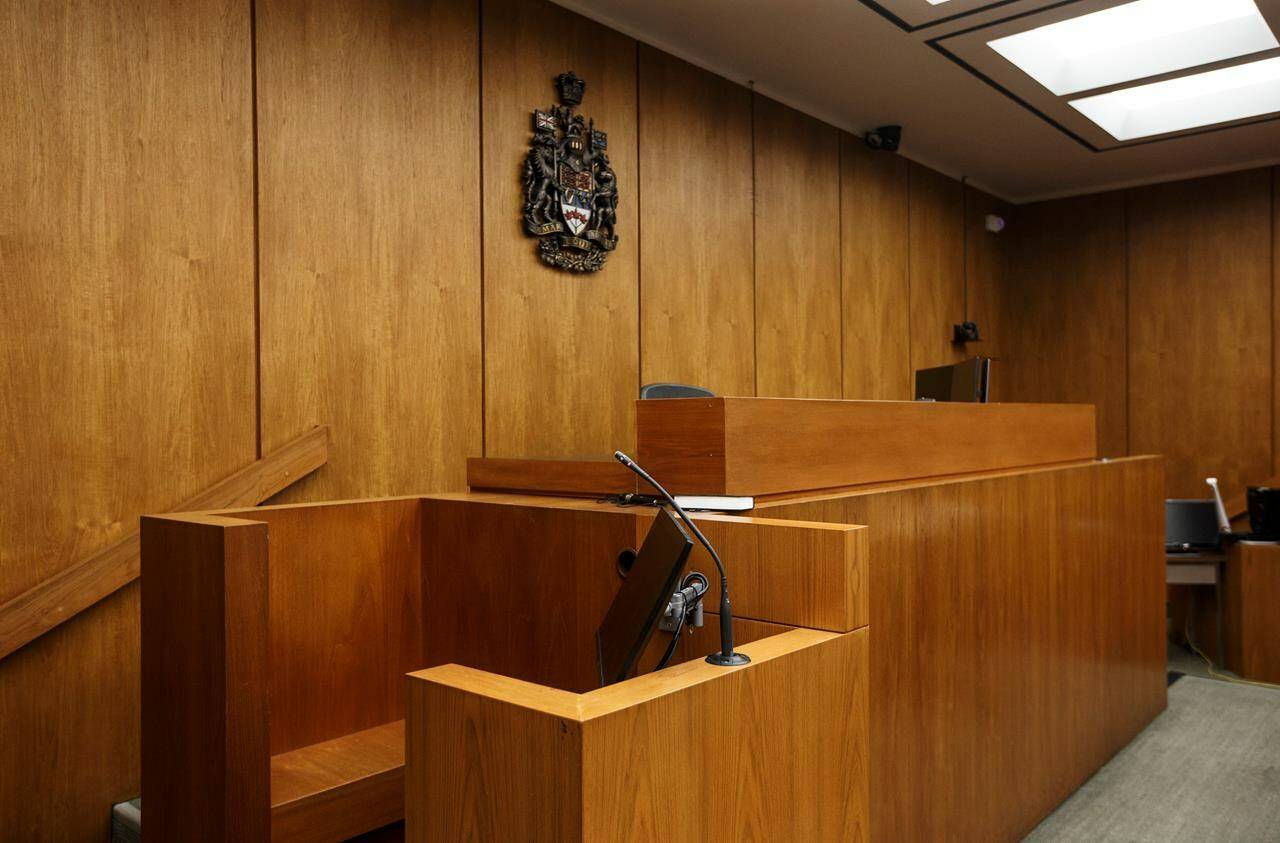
point(575, 209)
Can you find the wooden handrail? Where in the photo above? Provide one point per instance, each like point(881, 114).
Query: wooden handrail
point(69, 592)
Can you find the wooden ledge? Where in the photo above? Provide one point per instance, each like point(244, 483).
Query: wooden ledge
point(339, 788)
point(603, 701)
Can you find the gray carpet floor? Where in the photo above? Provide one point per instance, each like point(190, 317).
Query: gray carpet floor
point(1207, 769)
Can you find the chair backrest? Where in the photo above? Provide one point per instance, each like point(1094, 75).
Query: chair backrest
point(674, 390)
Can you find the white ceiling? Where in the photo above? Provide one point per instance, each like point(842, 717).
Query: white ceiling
point(845, 63)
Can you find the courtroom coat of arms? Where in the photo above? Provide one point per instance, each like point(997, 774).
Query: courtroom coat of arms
point(570, 191)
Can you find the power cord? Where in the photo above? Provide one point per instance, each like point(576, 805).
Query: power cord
point(1186, 633)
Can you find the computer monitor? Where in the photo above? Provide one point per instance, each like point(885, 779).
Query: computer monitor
point(1190, 525)
point(642, 600)
point(967, 381)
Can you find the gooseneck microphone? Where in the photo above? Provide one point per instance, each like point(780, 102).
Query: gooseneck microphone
point(726, 657)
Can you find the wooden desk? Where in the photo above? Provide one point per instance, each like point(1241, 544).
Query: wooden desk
point(1201, 569)
point(1252, 615)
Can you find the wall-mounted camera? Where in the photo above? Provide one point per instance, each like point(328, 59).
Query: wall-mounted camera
point(965, 332)
point(885, 138)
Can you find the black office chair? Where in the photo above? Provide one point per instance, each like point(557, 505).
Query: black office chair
point(674, 390)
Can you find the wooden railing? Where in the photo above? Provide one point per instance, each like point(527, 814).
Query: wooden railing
point(71, 591)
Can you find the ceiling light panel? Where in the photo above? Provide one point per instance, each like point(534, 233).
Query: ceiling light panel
point(1136, 40)
point(1188, 102)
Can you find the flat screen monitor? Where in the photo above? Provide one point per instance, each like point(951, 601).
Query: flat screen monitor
point(1190, 524)
point(642, 600)
point(967, 381)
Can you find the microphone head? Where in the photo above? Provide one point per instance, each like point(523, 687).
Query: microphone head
point(622, 458)
point(1212, 481)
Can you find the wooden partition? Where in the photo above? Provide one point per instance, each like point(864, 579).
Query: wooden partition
point(323, 608)
point(775, 750)
point(323, 625)
point(1018, 638)
point(769, 446)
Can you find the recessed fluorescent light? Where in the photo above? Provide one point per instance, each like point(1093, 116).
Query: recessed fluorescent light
point(1136, 40)
point(936, 2)
point(1216, 96)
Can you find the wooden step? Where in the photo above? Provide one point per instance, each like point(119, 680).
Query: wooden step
point(339, 788)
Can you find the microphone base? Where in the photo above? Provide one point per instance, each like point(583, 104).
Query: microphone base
point(734, 660)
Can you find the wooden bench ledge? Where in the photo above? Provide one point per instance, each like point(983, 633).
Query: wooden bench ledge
point(339, 788)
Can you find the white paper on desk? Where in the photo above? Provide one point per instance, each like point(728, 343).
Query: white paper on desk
point(712, 502)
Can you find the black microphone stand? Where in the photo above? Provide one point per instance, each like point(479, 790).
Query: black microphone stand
point(726, 657)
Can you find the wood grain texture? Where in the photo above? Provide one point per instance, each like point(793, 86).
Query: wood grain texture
point(1064, 304)
point(1252, 625)
point(368, 118)
point(592, 478)
point(482, 768)
point(337, 789)
point(791, 573)
point(797, 254)
point(520, 589)
point(71, 591)
point(205, 664)
point(491, 757)
point(345, 616)
point(780, 445)
point(936, 230)
point(126, 245)
point(1018, 625)
point(697, 313)
point(1200, 349)
point(874, 279)
point(561, 357)
point(789, 733)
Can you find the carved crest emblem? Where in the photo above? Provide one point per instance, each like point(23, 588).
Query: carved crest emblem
point(570, 191)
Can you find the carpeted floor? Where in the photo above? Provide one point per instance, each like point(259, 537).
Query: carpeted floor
point(1208, 769)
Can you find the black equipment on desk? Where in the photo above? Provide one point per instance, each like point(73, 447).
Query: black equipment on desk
point(967, 381)
point(1191, 525)
point(1264, 513)
point(642, 601)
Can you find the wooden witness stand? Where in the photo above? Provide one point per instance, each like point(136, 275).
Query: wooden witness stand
point(1017, 645)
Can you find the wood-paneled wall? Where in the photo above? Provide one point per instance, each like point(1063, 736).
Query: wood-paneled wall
point(224, 222)
point(1155, 304)
point(126, 349)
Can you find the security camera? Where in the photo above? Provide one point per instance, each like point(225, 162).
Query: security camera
point(887, 138)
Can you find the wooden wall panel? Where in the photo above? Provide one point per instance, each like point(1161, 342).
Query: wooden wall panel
point(936, 229)
point(1275, 318)
point(875, 292)
point(561, 351)
point(797, 252)
point(988, 271)
point(1063, 311)
point(368, 140)
point(127, 356)
point(1200, 343)
point(345, 603)
point(697, 309)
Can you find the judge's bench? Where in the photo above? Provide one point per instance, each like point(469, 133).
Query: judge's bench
point(954, 614)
